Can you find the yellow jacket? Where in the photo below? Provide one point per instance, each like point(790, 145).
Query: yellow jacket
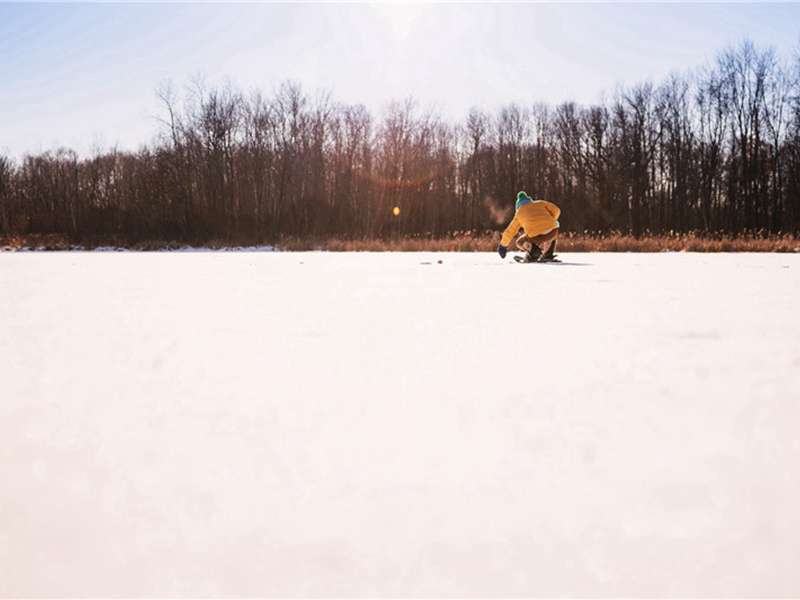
point(536, 217)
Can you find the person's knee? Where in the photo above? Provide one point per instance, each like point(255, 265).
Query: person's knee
point(549, 236)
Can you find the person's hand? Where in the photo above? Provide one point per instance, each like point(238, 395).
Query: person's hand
point(501, 250)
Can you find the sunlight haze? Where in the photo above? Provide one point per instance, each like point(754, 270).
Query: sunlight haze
point(84, 76)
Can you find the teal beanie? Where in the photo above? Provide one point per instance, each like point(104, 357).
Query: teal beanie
point(522, 198)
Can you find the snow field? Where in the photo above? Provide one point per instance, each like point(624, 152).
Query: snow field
point(323, 424)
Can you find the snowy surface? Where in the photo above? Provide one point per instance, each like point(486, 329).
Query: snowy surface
point(321, 424)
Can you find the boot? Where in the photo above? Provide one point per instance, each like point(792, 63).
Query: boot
point(534, 254)
point(550, 254)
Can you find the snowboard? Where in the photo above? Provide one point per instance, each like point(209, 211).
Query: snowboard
point(521, 259)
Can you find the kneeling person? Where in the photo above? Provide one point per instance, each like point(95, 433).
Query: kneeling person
point(538, 221)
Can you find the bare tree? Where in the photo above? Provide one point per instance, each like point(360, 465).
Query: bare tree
point(718, 150)
point(744, 74)
point(676, 186)
point(568, 139)
point(778, 93)
point(476, 165)
point(5, 195)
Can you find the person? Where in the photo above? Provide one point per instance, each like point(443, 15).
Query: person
point(539, 222)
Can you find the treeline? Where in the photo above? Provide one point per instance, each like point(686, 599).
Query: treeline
point(716, 150)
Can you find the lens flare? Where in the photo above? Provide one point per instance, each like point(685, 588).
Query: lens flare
point(396, 211)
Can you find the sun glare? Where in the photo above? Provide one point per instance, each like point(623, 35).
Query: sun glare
point(401, 16)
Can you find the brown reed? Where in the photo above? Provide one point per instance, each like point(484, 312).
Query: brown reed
point(461, 241)
point(568, 242)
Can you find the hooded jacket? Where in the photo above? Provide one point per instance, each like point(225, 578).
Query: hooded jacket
point(535, 217)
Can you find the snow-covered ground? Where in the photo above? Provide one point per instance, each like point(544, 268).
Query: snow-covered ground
point(321, 424)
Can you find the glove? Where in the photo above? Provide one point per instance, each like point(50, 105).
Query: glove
point(501, 250)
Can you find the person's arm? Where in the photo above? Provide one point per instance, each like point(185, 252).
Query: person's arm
point(508, 234)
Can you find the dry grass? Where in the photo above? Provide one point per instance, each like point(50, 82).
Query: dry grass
point(456, 242)
point(679, 242)
point(38, 241)
point(569, 242)
point(465, 241)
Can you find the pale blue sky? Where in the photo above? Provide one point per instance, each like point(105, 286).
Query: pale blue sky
point(84, 74)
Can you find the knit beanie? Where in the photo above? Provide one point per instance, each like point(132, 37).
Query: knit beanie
point(522, 198)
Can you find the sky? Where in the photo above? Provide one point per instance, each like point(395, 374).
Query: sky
point(84, 75)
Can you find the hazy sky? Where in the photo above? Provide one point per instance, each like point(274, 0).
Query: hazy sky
point(84, 75)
